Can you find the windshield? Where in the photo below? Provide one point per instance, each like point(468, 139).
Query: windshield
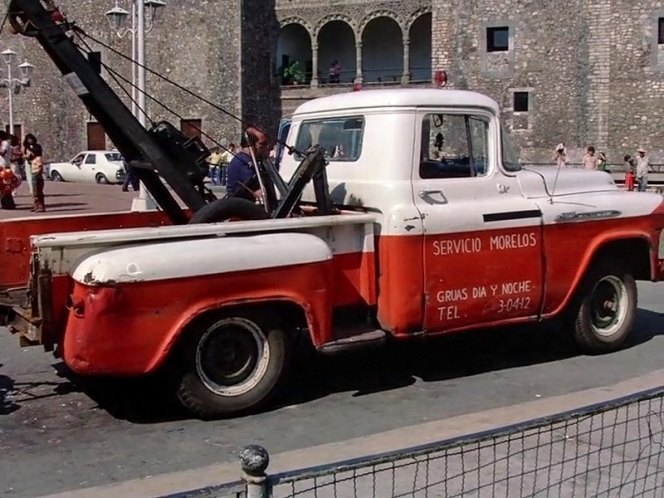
point(510, 155)
point(114, 156)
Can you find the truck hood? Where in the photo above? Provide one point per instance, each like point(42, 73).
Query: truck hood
point(540, 181)
point(188, 258)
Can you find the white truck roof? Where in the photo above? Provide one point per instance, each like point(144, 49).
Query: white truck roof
point(399, 97)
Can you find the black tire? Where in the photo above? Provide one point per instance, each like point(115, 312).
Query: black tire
point(226, 209)
point(232, 364)
point(56, 177)
point(606, 307)
point(101, 179)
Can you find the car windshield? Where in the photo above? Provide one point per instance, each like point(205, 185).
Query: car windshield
point(113, 156)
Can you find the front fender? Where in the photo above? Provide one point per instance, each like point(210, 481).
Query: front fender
point(561, 290)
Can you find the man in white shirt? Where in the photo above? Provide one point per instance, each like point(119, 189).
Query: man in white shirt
point(642, 169)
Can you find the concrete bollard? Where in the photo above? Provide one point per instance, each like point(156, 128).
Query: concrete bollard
point(254, 460)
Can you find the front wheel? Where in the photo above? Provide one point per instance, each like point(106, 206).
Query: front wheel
point(101, 179)
point(232, 364)
point(56, 177)
point(607, 307)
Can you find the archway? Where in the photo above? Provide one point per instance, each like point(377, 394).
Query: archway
point(420, 49)
point(293, 45)
point(336, 42)
point(382, 51)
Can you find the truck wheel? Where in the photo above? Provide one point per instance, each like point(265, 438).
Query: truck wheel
point(229, 209)
point(232, 364)
point(607, 307)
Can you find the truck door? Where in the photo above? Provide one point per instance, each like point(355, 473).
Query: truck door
point(482, 238)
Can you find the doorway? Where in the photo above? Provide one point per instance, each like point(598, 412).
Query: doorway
point(96, 136)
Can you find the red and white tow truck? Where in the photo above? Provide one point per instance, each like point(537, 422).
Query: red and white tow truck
point(407, 216)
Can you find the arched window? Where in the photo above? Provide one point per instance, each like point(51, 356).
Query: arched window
point(382, 51)
point(294, 46)
point(420, 49)
point(336, 44)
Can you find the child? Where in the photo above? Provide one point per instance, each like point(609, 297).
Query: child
point(629, 174)
point(601, 161)
point(9, 182)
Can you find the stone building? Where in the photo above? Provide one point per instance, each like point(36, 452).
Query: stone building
point(575, 71)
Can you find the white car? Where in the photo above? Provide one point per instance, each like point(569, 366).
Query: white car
point(98, 166)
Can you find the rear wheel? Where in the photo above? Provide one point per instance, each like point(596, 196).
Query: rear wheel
point(606, 307)
point(231, 364)
point(101, 179)
point(56, 177)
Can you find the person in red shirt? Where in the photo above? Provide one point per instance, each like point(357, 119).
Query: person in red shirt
point(8, 183)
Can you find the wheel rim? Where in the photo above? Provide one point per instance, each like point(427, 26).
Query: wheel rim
point(232, 356)
point(56, 177)
point(608, 306)
point(102, 179)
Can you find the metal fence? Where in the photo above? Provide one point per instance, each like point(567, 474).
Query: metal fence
point(610, 449)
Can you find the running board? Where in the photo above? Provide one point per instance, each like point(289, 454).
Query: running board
point(369, 338)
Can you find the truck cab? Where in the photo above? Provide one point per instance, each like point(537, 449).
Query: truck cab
point(466, 235)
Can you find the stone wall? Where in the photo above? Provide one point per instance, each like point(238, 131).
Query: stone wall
point(188, 46)
point(592, 68)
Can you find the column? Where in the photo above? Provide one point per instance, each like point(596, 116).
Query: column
point(405, 78)
point(358, 62)
point(314, 64)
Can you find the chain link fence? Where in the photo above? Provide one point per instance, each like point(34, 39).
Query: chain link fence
point(607, 450)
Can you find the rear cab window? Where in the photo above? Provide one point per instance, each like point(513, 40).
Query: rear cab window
point(340, 137)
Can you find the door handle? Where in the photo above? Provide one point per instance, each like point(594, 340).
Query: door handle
point(434, 196)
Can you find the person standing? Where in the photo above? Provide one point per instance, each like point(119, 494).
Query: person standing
point(560, 156)
point(214, 164)
point(590, 159)
point(17, 160)
point(131, 178)
point(5, 147)
point(642, 169)
point(34, 155)
point(601, 161)
point(226, 158)
point(629, 173)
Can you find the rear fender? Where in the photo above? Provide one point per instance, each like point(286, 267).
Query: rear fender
point(311, 298)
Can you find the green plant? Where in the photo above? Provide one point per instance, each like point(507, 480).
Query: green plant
point(294, 73)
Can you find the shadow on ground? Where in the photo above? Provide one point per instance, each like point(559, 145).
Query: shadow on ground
point(380, 369)
point(7, 404)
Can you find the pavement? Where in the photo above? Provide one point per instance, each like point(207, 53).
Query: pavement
point(409, 476)
point(72, 198)
point(76, 198)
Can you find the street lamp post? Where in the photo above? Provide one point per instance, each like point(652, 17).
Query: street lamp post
point(117, 17)
point(12, 84)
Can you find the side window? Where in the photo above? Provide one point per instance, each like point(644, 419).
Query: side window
point(454, 146)
point(78, 159)
point(340, 137)
point(90, 159)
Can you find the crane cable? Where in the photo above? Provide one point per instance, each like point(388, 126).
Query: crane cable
point(244, 123)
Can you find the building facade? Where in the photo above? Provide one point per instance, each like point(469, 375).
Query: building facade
point(579, 72)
